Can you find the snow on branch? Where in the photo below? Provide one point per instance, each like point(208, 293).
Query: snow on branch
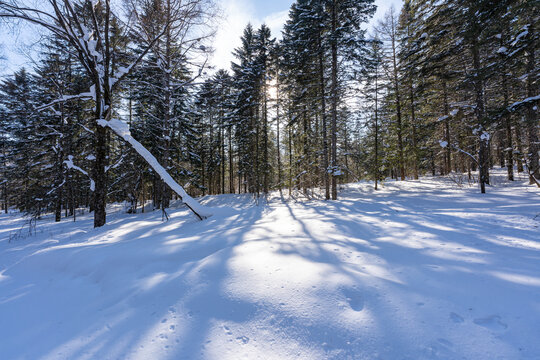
point(122, 72)
point(69, 163)
point(117, 164)
point(524, 102)
point(86, 95)
point(445, 144)
point(122, 130)
point(56, 188)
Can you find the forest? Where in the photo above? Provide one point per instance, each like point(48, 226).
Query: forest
point(443, 87)
point(361, 185)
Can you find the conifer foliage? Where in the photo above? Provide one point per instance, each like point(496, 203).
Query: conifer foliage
point(121, 105)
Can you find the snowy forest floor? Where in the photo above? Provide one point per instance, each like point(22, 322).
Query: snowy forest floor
point(417, 270)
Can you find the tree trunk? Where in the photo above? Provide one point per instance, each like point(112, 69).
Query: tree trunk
point(413, 125)
point(290, 157)
point(519, 145)
point(231, 169)
point(277, 137)
point(5, 187)
point(483, 153)
point(376, 170)
point(334, 91)
point(324, 120)
point(99, 174)
point(448, 153)
point(398, 103)
point(531, 118)
point(509, 151)
point(266, 166)
point(306, 162)
point(59, 169)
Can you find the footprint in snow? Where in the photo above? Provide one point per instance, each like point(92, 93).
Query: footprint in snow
point(456, 318)
point(354, 298)
point(440, 349)
point(492, 322)
point(227, 330)
point(242, 339)
point(445, 342)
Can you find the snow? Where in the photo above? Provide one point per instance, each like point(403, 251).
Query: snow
point(119, 74)
point(521, 35)
point(92, 49)
point(442, 118)
point(523, 102)
point(87, 33)
point(417, 270)
point(443, 143)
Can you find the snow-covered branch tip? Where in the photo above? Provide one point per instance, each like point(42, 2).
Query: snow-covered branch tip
point(445, 144)
point(86, 95)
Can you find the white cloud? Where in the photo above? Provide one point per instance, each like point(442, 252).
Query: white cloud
point(276, 21)
point(383, 6)
point(18, 46)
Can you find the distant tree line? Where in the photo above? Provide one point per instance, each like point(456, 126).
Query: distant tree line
point(441, 87)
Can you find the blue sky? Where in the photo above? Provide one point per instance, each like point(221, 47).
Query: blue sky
point(265, 7)
point(235, 16)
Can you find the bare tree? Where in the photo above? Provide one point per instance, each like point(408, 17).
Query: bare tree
point(387, 29)
point(91, 28)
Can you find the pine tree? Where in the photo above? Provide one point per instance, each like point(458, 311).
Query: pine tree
point(18, 100)
point(346, 37)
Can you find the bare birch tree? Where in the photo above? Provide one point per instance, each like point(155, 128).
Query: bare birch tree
point(89, 27)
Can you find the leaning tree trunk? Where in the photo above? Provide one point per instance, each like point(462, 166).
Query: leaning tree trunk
point(122, 130)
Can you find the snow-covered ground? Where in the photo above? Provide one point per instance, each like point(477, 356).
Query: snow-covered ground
point(418, 270)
